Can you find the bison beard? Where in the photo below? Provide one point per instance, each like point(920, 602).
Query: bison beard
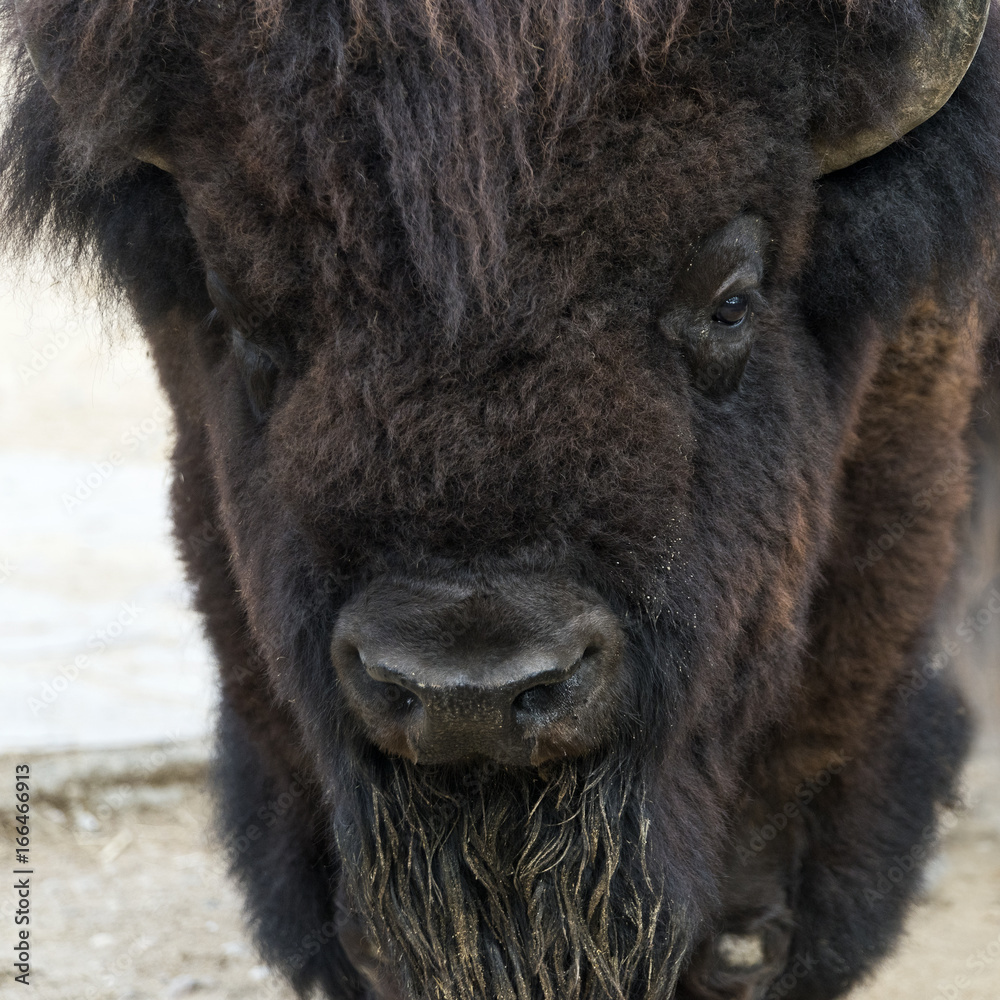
point(501, 884)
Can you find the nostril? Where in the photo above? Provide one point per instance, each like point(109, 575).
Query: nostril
point(536, 700)
point(521, 671)
point(394, 696)
point(550, 690)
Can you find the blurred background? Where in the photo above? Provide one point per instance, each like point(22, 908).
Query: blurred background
point(108, 694)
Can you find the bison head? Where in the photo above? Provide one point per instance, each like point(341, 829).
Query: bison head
point(533, 377)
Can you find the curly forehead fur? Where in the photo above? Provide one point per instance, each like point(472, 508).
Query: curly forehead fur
point(423, 158)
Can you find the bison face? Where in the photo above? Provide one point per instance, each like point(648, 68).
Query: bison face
point(514, 391)
point(530, 585)
point(527, 543)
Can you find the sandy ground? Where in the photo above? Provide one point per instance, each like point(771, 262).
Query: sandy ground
point(129, 899)
point(130, 902)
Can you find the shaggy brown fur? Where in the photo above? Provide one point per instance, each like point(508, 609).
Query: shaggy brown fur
point(483, 903)
point(413, 287)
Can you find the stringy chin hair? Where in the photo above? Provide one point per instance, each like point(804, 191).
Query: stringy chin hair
point(504, 885)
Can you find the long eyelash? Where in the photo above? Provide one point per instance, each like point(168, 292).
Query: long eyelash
point(259, 371)
point(208, 321)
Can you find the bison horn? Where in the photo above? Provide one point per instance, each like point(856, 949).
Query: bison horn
point(41, 58)
point(954, 30)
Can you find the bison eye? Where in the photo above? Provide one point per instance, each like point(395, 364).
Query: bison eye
point(259, 372)
point(713, 304)
point(258, 356)
point(733, 311)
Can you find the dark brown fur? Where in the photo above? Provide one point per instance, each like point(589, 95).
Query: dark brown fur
point(450, 230)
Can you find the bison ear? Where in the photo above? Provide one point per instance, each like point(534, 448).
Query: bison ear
point(40, 46)
point(934, 63)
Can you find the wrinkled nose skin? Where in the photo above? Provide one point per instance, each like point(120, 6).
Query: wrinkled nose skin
point(521, 673)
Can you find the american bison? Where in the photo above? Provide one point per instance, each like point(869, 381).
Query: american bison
point(571, 404)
